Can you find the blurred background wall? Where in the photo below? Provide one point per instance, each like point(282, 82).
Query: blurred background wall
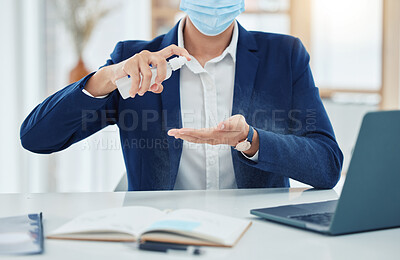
point(354, 47)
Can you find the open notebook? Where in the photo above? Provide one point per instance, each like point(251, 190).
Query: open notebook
point(183, 226)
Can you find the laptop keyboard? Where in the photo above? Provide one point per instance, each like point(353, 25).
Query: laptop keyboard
point(318, 218)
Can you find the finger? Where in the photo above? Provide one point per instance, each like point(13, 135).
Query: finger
point(198, 136)
point(221, 126)
point(119, 71)
point(153, 88)
point(158, 88)
point(132, 69)
point(204, 133)
point(192, 139)
point(174, 50)
point(232, 124)
point(181, 131)
point(172, 132)
point(228, 127)
point(145, 71)
point(209, 135)
point(237, 120)
point(161, 64)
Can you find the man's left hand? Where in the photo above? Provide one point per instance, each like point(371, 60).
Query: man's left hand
point(231, 131)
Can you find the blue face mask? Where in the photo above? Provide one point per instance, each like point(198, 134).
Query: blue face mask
point(212, 17)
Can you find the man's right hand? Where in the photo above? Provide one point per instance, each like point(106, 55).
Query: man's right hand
point(103, 81)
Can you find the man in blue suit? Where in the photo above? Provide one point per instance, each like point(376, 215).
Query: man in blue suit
point(244, 112)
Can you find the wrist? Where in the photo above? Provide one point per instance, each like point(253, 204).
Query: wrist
point(101, 83)
point(247, 142)
point(245, 132)
point(255, 145)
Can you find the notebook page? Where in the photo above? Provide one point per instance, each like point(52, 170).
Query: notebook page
point(204, 225)
point(130, 220)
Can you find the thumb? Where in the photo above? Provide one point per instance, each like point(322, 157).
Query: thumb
point(224, 125)
point(118, 71)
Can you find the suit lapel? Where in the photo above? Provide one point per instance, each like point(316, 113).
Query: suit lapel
point(171, 110)
point(245, 75)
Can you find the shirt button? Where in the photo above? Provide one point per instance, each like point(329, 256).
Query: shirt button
point(211, 161)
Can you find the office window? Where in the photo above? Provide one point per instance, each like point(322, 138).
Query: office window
point(267, 16)
point(347, 44)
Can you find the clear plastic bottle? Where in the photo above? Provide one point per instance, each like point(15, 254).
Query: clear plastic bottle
point(124, 84)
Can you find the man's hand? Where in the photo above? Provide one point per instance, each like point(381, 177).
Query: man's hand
point(231, 131)
point(137, 66)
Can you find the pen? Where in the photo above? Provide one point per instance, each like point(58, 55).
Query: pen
point(169, 247)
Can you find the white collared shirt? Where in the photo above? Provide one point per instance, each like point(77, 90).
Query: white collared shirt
point(206, 97)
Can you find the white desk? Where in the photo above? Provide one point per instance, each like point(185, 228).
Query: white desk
point(264, 240)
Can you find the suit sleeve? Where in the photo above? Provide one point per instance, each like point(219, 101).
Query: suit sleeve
point(309, 153)
point(69, 116)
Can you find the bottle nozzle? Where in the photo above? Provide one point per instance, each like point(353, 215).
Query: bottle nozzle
point(177, 63)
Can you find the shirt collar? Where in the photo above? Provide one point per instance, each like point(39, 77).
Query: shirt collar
point(231, 49)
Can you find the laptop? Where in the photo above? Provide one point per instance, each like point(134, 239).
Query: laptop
point(370, 199)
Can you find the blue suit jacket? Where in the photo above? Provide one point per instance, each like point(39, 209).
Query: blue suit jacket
point(274, 90)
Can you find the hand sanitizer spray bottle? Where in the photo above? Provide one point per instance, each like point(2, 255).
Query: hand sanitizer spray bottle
point(124, 84)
